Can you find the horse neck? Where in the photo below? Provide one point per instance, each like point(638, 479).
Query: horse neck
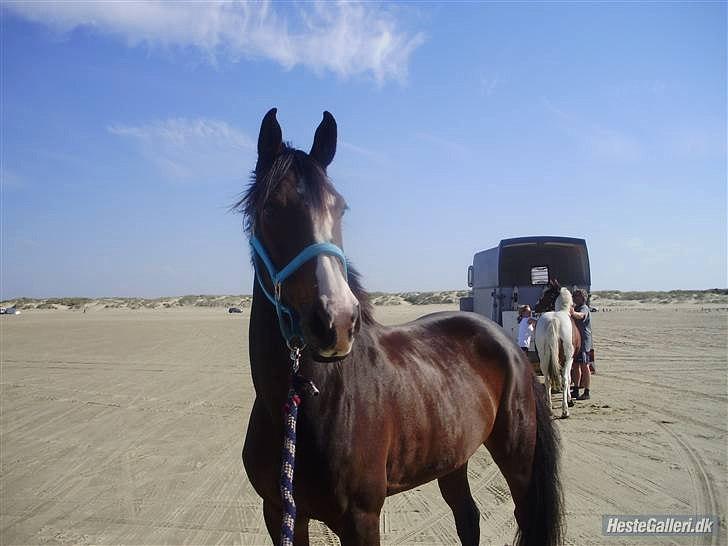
point(269, 356)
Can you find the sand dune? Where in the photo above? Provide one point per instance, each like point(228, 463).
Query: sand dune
point(607, 298)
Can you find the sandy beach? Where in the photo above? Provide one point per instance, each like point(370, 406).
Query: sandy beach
point(126, 427)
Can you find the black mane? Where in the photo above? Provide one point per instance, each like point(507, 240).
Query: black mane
point(365, 306)
point(547, 301)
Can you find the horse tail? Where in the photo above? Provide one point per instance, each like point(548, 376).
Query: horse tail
point(552, 344)
point(545, 497)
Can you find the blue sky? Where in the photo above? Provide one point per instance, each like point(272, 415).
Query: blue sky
point(129, 129)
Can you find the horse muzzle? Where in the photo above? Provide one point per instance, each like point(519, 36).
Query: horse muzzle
point(330, 327)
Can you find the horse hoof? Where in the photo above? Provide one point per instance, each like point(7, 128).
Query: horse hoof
point(571, 403)
point(564, 415)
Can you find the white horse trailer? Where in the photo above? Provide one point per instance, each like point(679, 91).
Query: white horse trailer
point(516, 271)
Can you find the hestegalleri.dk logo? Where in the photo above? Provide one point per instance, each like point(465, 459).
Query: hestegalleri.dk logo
point(621, 525)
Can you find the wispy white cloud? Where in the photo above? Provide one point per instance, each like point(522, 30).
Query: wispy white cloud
point(199, 149)
point(708, 141)
point(446, 146)
point(704, 140)
point(346, 38)
point(612, 144)
point(642, 88)
point(602, 142)
point(181, 131)
point(551, 107)
point(376, 157)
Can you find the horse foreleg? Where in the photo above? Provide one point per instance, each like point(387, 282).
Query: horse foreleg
point(360, 528)
point(300, 537)
point(273, 516)
point(455, 489)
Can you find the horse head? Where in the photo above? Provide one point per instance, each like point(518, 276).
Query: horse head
point(293, 216)
point(548, 297)
point(564, 300)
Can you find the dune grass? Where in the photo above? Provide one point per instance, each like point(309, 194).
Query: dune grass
point(711, 296)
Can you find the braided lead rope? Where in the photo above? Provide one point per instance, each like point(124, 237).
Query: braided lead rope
point(288, 462)
point(287, 466)
point(288, 459)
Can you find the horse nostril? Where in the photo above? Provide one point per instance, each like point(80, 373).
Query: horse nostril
point(322, 326)
point(324, 316)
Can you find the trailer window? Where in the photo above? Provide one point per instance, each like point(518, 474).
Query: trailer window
point(540, 275)
point(535, 265)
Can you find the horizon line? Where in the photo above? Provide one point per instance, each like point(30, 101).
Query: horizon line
point(230, 295)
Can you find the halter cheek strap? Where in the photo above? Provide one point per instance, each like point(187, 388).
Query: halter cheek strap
point(291, 332)
point(287, 319)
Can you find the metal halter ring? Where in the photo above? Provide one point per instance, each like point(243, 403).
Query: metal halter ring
point(295, 354)
point(296, 345)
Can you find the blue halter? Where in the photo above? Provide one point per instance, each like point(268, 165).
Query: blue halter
point(287, 320)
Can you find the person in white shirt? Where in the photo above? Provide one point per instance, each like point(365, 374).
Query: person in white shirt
point(525, 327)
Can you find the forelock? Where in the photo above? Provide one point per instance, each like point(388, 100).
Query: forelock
point(263, 185)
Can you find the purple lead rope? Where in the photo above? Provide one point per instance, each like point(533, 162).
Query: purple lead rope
point(288, 464)
point(288, 460)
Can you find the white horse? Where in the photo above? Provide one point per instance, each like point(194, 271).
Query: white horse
point(554, 331)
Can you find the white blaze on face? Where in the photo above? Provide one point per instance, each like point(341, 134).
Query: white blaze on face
point(333, 289)
point(338, 300)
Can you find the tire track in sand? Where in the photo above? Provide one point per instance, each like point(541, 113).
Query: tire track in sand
point(706, 498)
point(671, 387)
point(490, 473)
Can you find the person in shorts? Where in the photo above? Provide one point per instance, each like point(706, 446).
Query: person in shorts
point(582, 317)
point(526, 326)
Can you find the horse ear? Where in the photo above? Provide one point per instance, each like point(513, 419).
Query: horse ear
point(555, 283)
point(270, 141)
point(324, 142)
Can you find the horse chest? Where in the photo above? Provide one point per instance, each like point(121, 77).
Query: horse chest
point(262, 453)
point(320, 472)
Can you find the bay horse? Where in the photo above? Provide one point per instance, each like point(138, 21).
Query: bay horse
point(399, 406)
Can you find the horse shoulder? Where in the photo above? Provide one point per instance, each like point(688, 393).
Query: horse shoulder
point(442, 374)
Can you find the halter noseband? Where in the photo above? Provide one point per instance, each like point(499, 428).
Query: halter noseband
point(287, 320)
